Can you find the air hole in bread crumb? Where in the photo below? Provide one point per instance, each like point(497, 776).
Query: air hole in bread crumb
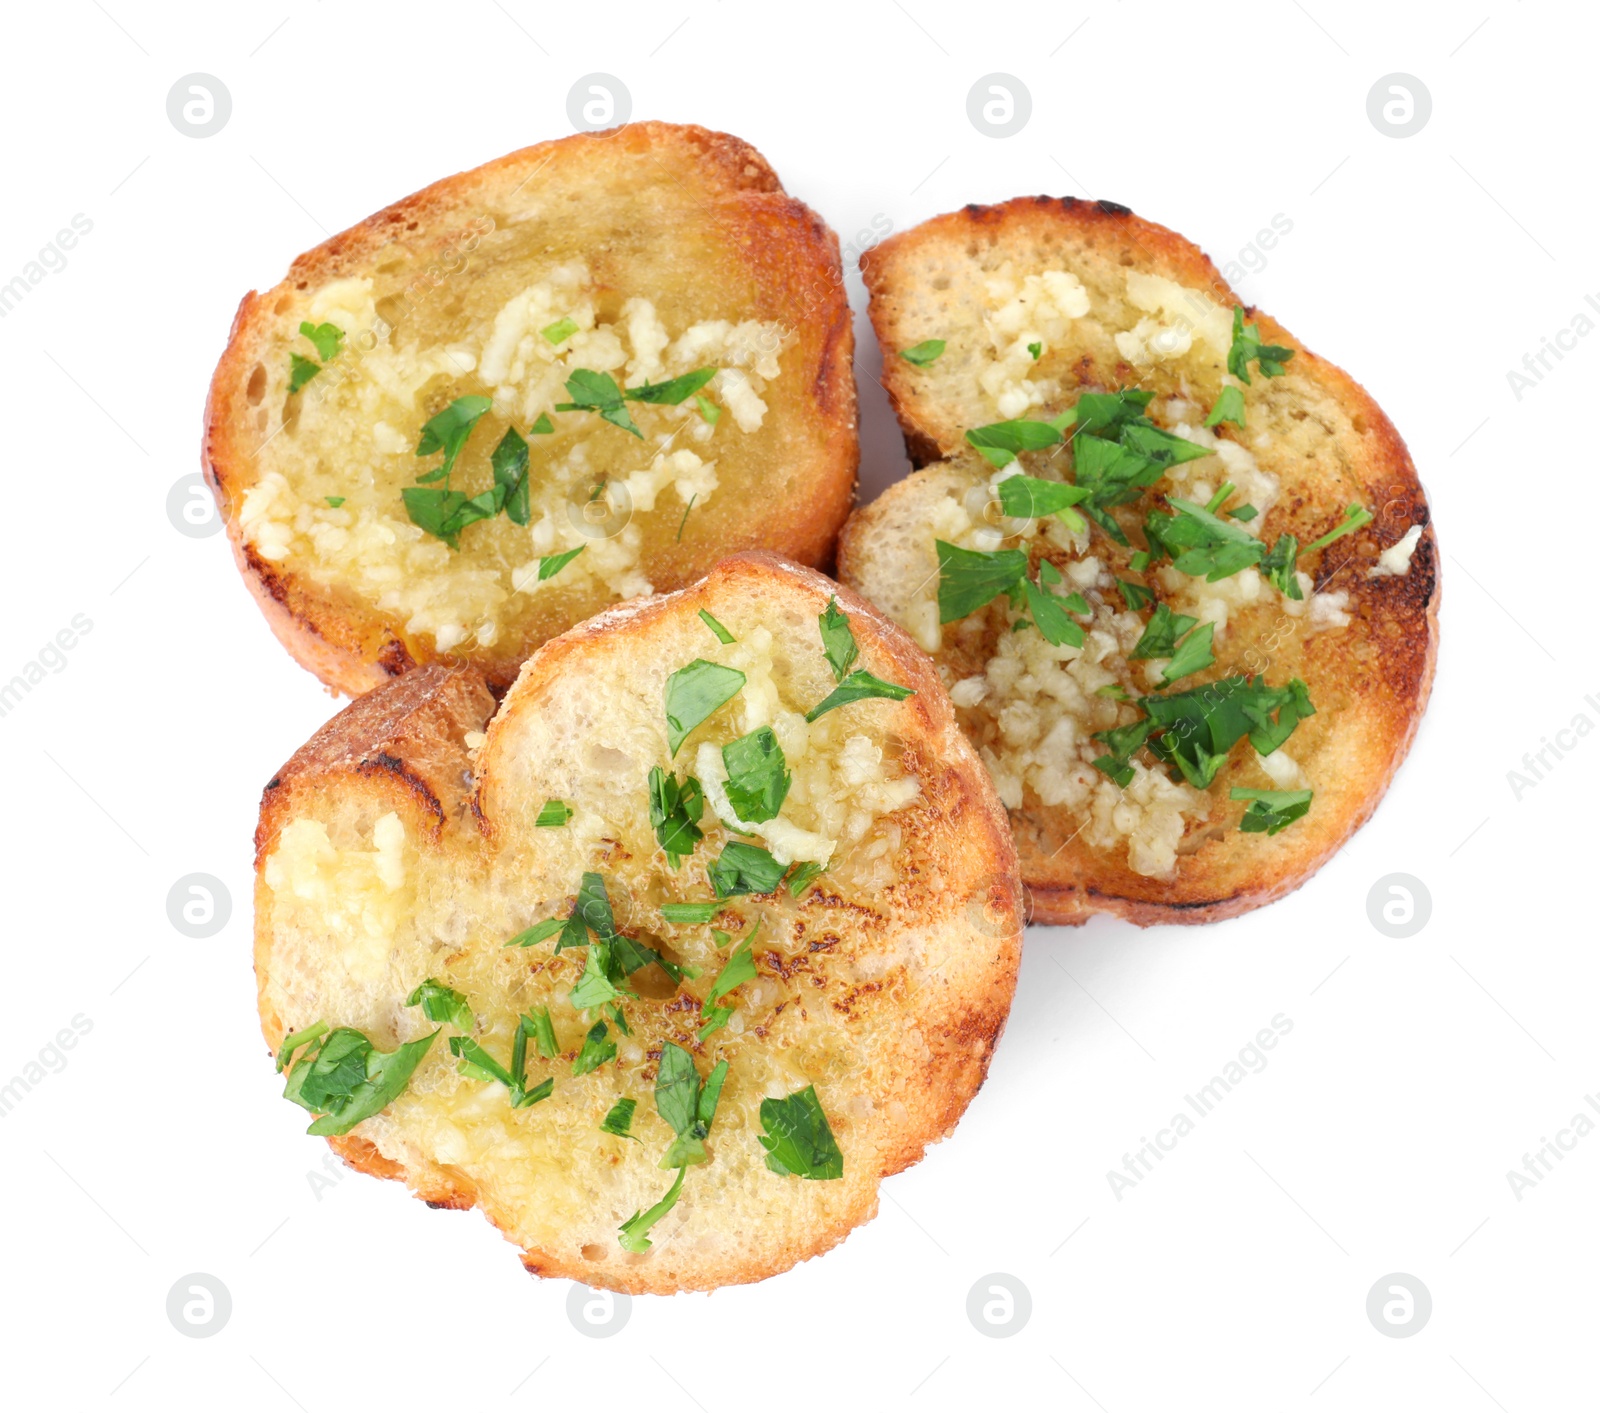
point(593, 1252)
point(1360, 424)
point(942, 282)
point(256, 388)
point(282, 306)
point(411, 225)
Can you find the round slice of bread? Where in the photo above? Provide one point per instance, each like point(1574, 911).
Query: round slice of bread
point(1038, 302)
point(423, 828)
point(574, 274)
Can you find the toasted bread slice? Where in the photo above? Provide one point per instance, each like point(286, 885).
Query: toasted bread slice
point(633, 258)
point(1040, 301)
point(402, 843)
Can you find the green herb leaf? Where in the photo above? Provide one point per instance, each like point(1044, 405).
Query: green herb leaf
point(620, 1119)
point(758, 776)
point(448, 431)
point(723, 635)
point(596, 1050)
point(543, 427)
point(441, 1003)
point(1105, 414)
point(859, 686)
point(595, 986)
point(690, 912)
point(1000, 442)
point(1136, 596)
point(675, 812)
point(715, 1018)
point(677, 1091)
point(738, 969)
point(674, 390)
point(797, 1137)
point(1112, 473)
point(326, 338)
point(1029, 498)
point(1034, 350)
point(968, 579)
point(334, 501)
point(614, 1010)
point(924, 353)
point(559, 332)
point(537, 1026)
point(1355, 517)
point(1201, 543)
point(1247, 348)
point(1279, 566)
point(598, 392)
point(296, 1038)
point(802, 876)
point(301, 371)
point(1050, 617)
point(345, 1079)
point(708, 409)
point(510, 462)
point(1161, 633)
point(838, 640)
point(1244, 512)
point(537, 933)
point(1229, 407)
point(554, 815)
point(552, 564)
point(1193, 654)
point(631, 1235)
point(744, 868)
point(1160, 446)
point(693, 693)
point(1271, 810)
point(1194, 730)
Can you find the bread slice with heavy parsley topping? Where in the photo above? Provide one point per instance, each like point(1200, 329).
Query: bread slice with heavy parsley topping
point(1178, 573)
point(583, 372)
point(666, 962)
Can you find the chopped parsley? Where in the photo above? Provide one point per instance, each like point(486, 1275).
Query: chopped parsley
point(442, 1003)
point(537, 933)
point(924, 353)
point(1271, 810)
point(595, 987)
point(1136, 596)
point(1000, 442)
point(1229, 407)
point(693, 913)
point(707, 408)
point(596, 1050)
point(301, 371)
point(1192, 731)
point(745, 868)
point(674, 390)
point(838, 641)
point(632, 1234)
point(1200, 543)
point(477, 1063)
point(444, 513)
point(738, 969)
point(1244, 512)
point(675, 812)
point(559, 332)
point(334, 501)
point(536, 1026)
point(1050, 614)
point(968, 579)
point(685, 1104)
point(598, 392)
point(1034, 350)
point(342, 1078)
point(684, 518)
point(693, 693)
point(554, 814)
point(325, 338)
point(510, 462)
point(1030, 498)
point(859, 686)
point(758, 776)
point(552, 564)
point(797, 1138)
point(803, 875)
point(620, 1119)
point(1355, 517)
point(723, 635)
point(1193, 654)
point(1247, 348)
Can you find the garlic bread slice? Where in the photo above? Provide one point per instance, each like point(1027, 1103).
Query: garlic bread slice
point(714, 923)
point(1178, 572)
point(581, 373)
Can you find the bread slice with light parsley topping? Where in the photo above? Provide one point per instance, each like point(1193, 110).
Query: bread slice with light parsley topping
point(714, 924)
point(1177, 572)
point(581, 373)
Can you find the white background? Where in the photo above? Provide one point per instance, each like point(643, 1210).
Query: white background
point(1418, 1070)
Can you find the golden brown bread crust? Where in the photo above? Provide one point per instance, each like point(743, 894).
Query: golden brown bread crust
point(401, 748)
point(1370, 682)
point(785, 253)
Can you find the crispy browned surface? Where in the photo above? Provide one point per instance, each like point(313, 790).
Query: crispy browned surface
point(698, 211)
point(1332, 445)
point(897, 1053)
